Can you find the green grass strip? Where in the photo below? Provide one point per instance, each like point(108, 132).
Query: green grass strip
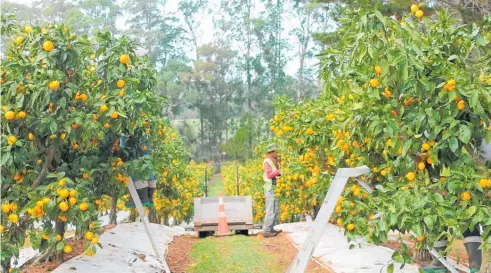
point(234, 254)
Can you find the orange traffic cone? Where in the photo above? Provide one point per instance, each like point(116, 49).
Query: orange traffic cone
point(222, 218)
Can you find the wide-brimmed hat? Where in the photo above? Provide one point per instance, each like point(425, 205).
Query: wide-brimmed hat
point(272, 148)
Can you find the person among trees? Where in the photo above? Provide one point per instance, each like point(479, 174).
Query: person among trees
point(271, 173)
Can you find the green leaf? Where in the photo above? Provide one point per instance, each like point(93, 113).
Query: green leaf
point(471, 211)
point(390, 268)
point(454, 144)
point(465, 133)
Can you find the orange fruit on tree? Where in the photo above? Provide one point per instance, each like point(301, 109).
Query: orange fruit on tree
point(120, 84)
point(419, 13)
point(73, 193)
point(414, 8)
point(64, 193)
point(67, 248)
point(84, 206)
point(378, 69)
point(85, 175)
point(18, 40)
point(121, 93)
point(338, 209)
point(73, 201)
point(107, 125)
point(451, 82)
point(94, 240)
point(374, 83)
point(426, 146)
point(48, 46)
point(103, 108)
point(53, 85)
point(461, 105)
point(62, 182)
point(21, 115)
point(339, 222)
point(421, 166)
point(124, 59)
point(84, 97)
point(63, 206)
point(114, 114)
point(410, 176)
point(89, 235)
point(12, 140)
point(13, 218)
point(350, 227)
point(6, 208)
point(9, 115)
point(420, 238)
point(27, 29)
point(58, 237)
point(466, 196)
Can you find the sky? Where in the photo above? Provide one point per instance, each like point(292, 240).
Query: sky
point(207, 27)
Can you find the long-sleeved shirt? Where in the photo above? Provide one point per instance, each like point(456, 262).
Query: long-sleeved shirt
point(269, 171)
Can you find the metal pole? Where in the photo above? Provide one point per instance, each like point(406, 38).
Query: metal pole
point(206, 181)
point(237, 169)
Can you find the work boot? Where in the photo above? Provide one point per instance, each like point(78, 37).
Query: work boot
point(152, 185)
point(269, 234)
point(472, 244)
point(277, 231)
point(436, 266)
point(142, 189)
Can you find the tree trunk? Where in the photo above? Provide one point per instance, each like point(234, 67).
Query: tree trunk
point(421, 255)
point(59, 229)
point(132, 217)
point(114, 206)
point(152, 216)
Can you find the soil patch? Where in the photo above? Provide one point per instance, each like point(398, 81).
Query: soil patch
point(77, 249)
point(178, 257)
point(284, 250)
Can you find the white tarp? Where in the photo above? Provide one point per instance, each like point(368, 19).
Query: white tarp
point(126, 248)
point(333, 251)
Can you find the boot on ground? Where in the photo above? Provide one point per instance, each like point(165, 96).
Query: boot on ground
point(436, 266)
point(152, 185)
point(472, 245)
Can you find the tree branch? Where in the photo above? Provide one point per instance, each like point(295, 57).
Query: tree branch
point(47, 164)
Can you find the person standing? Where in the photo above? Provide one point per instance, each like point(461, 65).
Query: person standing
point(271, 173)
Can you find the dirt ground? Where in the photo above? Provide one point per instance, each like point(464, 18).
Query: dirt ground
point(179, 260)
point(77, 249)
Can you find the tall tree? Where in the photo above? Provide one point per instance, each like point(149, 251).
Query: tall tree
point(190, 9)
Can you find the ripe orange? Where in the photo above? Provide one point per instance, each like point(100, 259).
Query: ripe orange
point(85, 175)
point(62, 182)
point(84, 206)
point(461, 105)
point(120, 84)
point(107, 125)
point(73, 201)
point(421, 166)
point(339, 222)
point(414, 8)
point(28, 29)
point(114, 114)
point(426, 146)
point(466, 196)
point(21, 115)
point(18, 40)
point(63, 206)
point(411, 176)
point(89, 235)
point(2, 228)
point(9, 115)
point(451, 82)
point(121, 93)
point(124, 59)
point(350, 227)
point(64, 193)
point(338, 209)
point(67, 249)
point(378, 69)
point(48, 46)
point(374, 83)
point(84, 97)
point(420, 238)
point(14, 218)
point(53, 85)
point(6, 208)
point(58, 237)
point(12, 140)
point(419, 14)
point(309, 131)
point(95, 240)
point(103, 108)
point(75, 146)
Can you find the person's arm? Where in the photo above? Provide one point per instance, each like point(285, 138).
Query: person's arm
point(269, 171)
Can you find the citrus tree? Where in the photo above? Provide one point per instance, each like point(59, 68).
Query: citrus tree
point(66, 102)
point(411, 99)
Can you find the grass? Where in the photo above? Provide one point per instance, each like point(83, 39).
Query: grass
point(238, 254)
point(215, 185)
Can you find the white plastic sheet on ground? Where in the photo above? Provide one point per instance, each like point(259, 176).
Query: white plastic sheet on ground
point(28, 253)
point(126, 248)
point(333, 250)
